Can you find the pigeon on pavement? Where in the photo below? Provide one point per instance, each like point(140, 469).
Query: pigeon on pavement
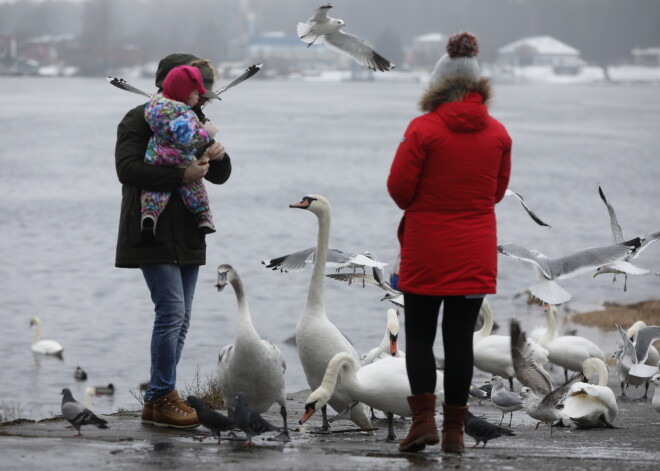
point(77, 414)
point(210, 418)
point(249, 421)
point(482, 430)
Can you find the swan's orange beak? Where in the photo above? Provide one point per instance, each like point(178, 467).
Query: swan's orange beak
point(309, 411)
point(394, 346)
point(304, 203)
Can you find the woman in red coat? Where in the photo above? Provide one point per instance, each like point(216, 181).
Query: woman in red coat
point(450, 169)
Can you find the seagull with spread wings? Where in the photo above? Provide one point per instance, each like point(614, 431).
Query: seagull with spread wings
point(623, 267)
point(550, 269)
point(322, 29)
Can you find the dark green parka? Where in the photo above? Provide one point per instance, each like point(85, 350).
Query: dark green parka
point(178, 239)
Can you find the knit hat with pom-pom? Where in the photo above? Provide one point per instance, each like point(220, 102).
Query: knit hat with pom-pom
point(181, 81)
point(462, 49)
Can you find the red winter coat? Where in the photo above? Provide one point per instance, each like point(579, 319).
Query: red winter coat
point(450, 169)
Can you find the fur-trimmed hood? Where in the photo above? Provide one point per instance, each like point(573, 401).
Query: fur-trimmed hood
point(454, 89)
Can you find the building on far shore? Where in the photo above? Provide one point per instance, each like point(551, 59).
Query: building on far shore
point(645, 67)
point(543, 59)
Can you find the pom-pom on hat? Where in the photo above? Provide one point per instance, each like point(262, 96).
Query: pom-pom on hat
point(462, 49)
point(181, 81)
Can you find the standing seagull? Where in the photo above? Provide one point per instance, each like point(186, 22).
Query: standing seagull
point(77, 414)
point(322, 28)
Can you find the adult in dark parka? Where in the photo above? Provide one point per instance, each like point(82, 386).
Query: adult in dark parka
point(170, 263)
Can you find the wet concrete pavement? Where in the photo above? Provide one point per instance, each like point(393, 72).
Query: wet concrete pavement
point(127, 444)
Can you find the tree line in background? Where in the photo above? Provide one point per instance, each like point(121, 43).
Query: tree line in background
point(605, 31)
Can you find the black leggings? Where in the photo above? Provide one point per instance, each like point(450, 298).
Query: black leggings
point(421, 322)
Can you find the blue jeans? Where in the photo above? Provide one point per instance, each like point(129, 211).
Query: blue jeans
point(172, 289)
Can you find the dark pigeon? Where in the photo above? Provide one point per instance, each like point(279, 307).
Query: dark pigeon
point(77, 414)
point(210, 418)
point(249, 421)
point(482, 430)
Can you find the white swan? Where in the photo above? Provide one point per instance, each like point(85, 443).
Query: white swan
point(44, 347)
point(567, 351)
point(382, 385)
point(318, 339)
point(591, 405)
point(250, 365)
point(492, 353)
point(389, 346)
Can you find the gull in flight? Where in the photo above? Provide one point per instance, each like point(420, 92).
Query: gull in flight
point(321, 28)
point(623, 266)
point(531, 213)
point(548, 269)
point(336, 259)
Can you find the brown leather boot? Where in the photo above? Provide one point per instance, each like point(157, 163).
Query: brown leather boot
point(423, 430)
point(452, 428)
point(171, 411)
point(147, 416)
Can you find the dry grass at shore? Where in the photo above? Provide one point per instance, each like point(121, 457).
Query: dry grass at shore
point(623, 314)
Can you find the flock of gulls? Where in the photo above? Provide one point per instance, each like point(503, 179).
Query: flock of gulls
point(251, 370)
point(355, 385)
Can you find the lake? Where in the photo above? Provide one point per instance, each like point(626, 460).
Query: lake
point(60, 207)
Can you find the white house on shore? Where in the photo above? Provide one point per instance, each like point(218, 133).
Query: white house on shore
point(543, 59)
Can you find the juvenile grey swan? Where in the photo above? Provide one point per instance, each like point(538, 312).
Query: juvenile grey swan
point(250, 365)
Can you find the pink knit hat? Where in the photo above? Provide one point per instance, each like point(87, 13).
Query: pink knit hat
point(181, 82)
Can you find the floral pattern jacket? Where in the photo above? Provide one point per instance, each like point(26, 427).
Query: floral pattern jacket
point(178, 133)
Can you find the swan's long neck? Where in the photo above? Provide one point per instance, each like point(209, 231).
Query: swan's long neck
point(595, 365)
point(487, 327)
point(244, 318)
point(333, 370)
point(551, 330)
point(315, 293)
point(37, 332)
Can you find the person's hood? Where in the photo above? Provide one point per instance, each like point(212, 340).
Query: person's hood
point(464, 102)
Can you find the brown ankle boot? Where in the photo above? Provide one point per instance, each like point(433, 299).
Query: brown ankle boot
point(171, 411)
point(423, 430)
point(452, 428)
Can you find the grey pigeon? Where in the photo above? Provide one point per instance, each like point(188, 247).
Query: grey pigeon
point(482, 430)
point(210, 418)
point(77, 414)
point(249, 421)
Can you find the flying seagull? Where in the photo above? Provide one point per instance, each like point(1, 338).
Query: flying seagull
point(550, 269)
point(77, 414)
point(531, 213)
point(321, 28)
point(624, 266)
